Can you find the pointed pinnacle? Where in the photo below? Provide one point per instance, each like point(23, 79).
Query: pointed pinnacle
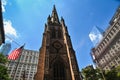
point(54, 15)
point(54, 9)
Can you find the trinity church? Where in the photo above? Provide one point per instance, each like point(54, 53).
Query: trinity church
point(57, 59)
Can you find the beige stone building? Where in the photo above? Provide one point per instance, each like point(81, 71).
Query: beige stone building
point(106, 54)
point(57, 60)
point(25, 67)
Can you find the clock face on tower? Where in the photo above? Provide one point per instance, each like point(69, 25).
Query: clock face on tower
point(57, 45)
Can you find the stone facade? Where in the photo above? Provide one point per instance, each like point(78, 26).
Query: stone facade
point(106, 55)
point(2, 35)
point(57, 60)
point(25, 67)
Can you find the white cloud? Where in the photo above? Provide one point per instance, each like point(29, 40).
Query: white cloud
point(4, 3)
point(100, 37)
point(95, 38)
point(9, 30)
point(96, 35)
point(92, 37)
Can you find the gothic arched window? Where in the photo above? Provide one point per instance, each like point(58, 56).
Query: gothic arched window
point(59, 34)
point(53, 33)
point(59, 71)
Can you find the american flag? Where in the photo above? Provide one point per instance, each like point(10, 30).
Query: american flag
point(15, 53)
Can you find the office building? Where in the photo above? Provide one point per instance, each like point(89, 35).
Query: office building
point(25, 67)
point(106, 54)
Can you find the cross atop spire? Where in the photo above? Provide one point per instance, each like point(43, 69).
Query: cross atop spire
point(54, 16)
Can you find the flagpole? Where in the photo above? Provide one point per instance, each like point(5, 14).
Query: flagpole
point(18, 62)
point(12, 40)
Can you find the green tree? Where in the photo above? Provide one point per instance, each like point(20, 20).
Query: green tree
point(89, 73)
point(118, 72)
point(113, 74)
point(3, 69)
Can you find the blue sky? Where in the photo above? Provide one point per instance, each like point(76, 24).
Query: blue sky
point(24, 22)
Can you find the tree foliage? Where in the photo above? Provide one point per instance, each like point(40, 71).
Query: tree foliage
point(89, 73)
point(3, 59)
point(3, 69)
point(113, 74)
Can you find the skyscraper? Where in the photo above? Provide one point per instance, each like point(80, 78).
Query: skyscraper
point(96, 35)
point(5, 48)
point(57, 60)
point(106, 54)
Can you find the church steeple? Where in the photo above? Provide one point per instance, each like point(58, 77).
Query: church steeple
point(57, 60)
point(54, 16)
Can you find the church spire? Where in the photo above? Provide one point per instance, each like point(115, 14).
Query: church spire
point(54, 16)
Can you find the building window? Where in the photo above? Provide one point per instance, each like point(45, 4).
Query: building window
point(119, 21)
point(112, 52)
point(46, 62)
point(53, 33)
point(109, 36)
point(100, 47)
point(59, 34)
point(107, 68)
point(58, 71)
point(114, 29)
point(111, 33)
point(116, 46)
point(117, 26)
point(97, 52)
point(106, 41)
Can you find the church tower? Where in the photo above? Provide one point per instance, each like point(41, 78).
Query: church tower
point(57, 60)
